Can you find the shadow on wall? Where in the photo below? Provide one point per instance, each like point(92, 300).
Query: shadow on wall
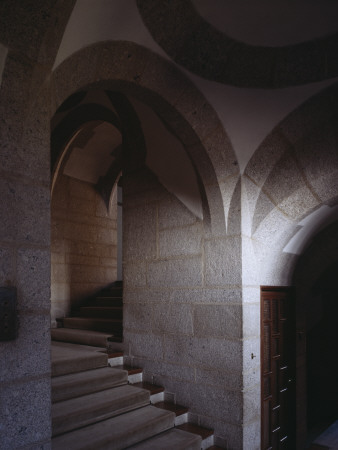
point(322, 357)
point(317, 294)
point(83, 244)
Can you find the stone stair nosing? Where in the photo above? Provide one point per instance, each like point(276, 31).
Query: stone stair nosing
point(81, 411)
point(206, 434)
point(119, 432)
point(152, 388)
point(116, 339)
point(107, 301)
point(112, 326)
point(66, 359)
point(180, 411)
point(101, 312)
point(215, 447)
point(115, 358)
point(82, 337)
point(169, 440)
point(156, 392)
point(134, 373)
point(78, 384)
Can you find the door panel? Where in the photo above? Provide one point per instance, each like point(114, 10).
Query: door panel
point(278, 368)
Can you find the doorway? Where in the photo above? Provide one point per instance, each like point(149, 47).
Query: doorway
point(277, 368)
point(322, 356)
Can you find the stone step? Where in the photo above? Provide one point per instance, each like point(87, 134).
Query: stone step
point(115, 346)
point(76, 336)
point(115, 358)
point(135, 374)
point(108, 301)
point(78, 412)
point(113, 291)
point(177, 409)
point(119, 432)
point(115, 339)
point(71, 358)
point(173, 439)
point(156, 392)
point(104, 325)
point(152, 388)
point(206, 434)
point(115, 354)
point(180, 411)
point(130, 369)
point(82, 383)
point(102, 312)
point(215, 447)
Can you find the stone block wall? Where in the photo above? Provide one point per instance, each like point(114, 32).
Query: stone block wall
point(182, 306)
point(25, 254)
point(84, 244)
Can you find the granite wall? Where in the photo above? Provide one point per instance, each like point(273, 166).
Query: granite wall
point(183, 314)
point(83, 244)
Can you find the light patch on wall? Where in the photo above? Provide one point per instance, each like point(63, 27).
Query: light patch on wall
point(309, 227)
point(249, 115)
point(3, 55)
point(91, 152)
point(167, 159)
point(104, 20)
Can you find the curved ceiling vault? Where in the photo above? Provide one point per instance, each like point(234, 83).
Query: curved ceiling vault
point(291, 186)
point(237, 44)
point(91, 149)
point(198, 46)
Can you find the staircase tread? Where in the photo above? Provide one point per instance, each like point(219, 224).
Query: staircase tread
point(88, 401)
point(94, 319)
point(215, 447)
point(81, 411)
point(172, 439)
point(131, 370)
point(115, 354)
point(109, 325)
point(115, 339)
point(70, 358)
point(74, 331)
point(76, 347)
point(78, 384)
point(107, 301)
point(78, 336)
point(141, 424)
point(96, 312)
point(102, 308)
point(196, 429)
point(152, 388)
point(177, 409)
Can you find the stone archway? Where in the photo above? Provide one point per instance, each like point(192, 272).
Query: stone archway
point(315, 281)
point(131, 69)
point(176, 267)
point(290, 184)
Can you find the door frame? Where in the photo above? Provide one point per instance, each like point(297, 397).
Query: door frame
point(290, 290)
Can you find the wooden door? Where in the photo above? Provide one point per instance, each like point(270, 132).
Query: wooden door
point(278, 368)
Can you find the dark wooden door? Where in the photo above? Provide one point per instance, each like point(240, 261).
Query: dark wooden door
point(278, 368)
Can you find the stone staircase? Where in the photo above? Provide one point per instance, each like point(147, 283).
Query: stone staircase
point(100, 403)
point(103, 312)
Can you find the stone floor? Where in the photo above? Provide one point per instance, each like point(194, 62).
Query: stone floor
point(328, 439)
